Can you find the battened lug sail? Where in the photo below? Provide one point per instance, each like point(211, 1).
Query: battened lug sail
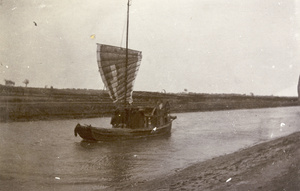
point(112, 67)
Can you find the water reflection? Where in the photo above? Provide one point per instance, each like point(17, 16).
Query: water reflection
point(120, 159)
point(111, 158)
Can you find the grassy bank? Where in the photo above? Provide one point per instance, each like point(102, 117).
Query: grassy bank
point(24, 104)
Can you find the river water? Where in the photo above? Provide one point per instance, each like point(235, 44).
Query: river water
point(45, 155)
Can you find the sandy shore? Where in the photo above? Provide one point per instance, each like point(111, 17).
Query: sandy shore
point(273, 165)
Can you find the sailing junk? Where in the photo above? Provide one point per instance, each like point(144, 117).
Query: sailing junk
point(118, 73)
point(118, 68)
point(112, 67)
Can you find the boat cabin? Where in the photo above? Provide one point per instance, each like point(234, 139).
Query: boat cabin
point(142, 117)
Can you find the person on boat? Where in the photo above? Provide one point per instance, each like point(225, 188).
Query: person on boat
point(160, 113)
point(125, 118)
point(136, 119)
point(116, 118)
point(130, 118)
point(139, 119)
point(166, 112)
point(157, 118)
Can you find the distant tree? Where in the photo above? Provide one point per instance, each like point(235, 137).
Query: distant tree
point(26, 82)
point(9, 82)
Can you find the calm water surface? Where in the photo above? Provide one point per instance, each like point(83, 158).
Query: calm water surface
point(45, 155)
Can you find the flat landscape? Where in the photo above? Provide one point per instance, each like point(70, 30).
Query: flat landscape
point(26, 104)
point(272, 165)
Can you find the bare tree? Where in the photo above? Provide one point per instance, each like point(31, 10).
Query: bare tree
point(26, 82)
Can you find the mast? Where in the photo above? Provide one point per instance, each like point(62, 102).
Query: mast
point(299, 89)
point(126, 65)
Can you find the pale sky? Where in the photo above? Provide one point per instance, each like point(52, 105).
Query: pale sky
point(204, 46)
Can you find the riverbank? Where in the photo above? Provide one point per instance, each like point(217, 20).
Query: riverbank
point(29, 104)
point(272, 166)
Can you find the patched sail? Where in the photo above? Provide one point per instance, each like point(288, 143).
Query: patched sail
point(112, 67)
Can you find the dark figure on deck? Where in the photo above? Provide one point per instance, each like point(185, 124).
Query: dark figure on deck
point(166, 112)
point(136, 119)
point(116, 118)
point(119, 118)
point(160, 114)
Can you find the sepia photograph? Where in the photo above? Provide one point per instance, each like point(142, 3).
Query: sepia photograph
point(199, 95)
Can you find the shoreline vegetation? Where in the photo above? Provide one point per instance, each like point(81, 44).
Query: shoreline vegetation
point(30, 104)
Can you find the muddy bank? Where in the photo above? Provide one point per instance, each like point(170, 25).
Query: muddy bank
point(271, 166)
point(26, 104)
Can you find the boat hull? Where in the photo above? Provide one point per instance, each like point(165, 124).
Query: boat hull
point(88, 132)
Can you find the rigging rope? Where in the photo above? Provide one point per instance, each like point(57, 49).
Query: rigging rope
point(123, 33)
